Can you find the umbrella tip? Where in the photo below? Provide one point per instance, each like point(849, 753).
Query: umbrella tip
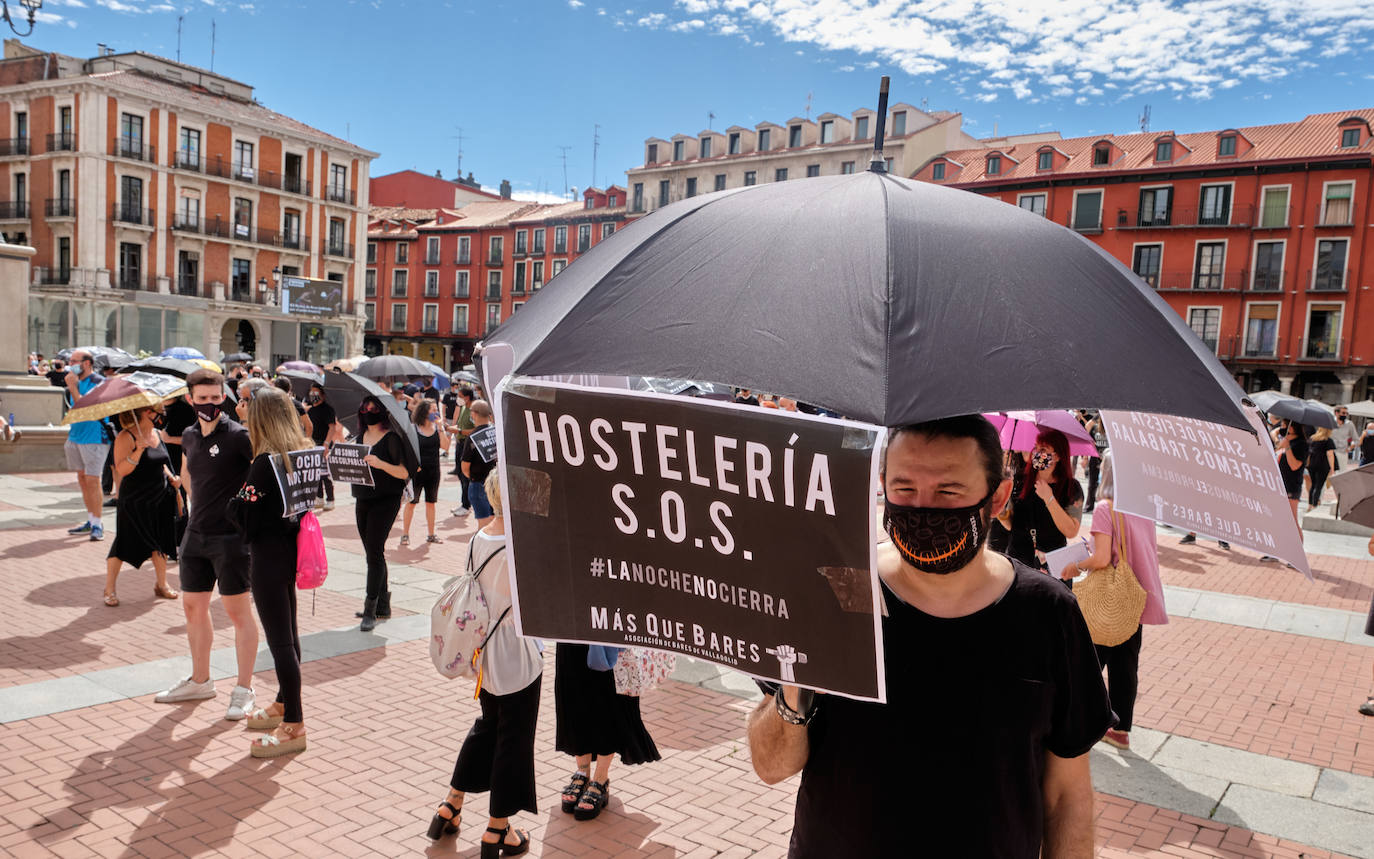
point(878, 165)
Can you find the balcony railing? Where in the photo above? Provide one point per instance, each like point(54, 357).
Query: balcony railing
point(14, 146)
point(463, 259)
point(1274, 217)
point(1322, 349)
point(338, 249)
point(335, 194)
point(1269, 280)
point(130, 147)
point(1083, 223)
point(493, 293)
point(517, 289)
point(59, 207)
point(1239, 217)
point(460, 330)
point(188, 286)
point(537, 250)
point(186, 222)
point(518, 253)
point(1257, 348)
point(429, 328)
point(244, 172)
point(560, 247)
point(295, 185)
point(431, 259)
point(185, 159)
point(64, 141)
point(295, 242)
point(127, 214)
point(1328, 280)
point(1193, 280)
point(495, 258)
point(131, 283)
point(14, 210)
point(398, 325)
point(55, 276)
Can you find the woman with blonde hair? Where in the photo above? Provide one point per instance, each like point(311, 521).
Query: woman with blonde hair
point(1321, 461)
point(257, 512)
point(148, 501)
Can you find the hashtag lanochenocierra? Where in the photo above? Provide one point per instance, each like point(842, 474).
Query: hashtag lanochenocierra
point(690, 583)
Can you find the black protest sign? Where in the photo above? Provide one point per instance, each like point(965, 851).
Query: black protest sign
point(346, 464)
point(301, 485)
point(484, 439)
point(737, 535)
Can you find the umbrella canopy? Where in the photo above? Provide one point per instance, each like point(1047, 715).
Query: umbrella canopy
point(1355, 495)
point(183, 352)
point(208, 364)
point(883, 299)
point(301, 382)
point(346, 391)
point(439, 373)
point(122, 393)
point(164, 366)
point(302, 366)
point(395, 367)
point(1308, 412)
point(465, 377)
point(93, 351)
point(1363, 409)
point(1019, 430)
point(348, 365)
point(112, 360)
point(238, 357)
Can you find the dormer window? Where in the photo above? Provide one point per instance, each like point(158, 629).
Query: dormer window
point(861, 128)
point(1350, 138)
point(763, 139)
point(1226, 145)
point(653, 154)
point(1102, 156)
point(794, 136)
point(679, 149)
point(937, 171)
point(705, 147)
point(1164, 150)
point(1044, 160)
point(994, 165)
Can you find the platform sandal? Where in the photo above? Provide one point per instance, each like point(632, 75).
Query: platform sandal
point(494, 849)
point(441, 826)
point(597, 795)
point(576, 787)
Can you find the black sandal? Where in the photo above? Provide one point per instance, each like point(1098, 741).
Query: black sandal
point(441, 826)
point(597, 795)
point(493, 849)
point(576, 787)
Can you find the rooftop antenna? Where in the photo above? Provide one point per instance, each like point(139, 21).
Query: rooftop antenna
point(565, 169)
point(179, 19)
point(596, 144)
point(459, 138)
point(925, 103)
point(878, 165)
point(212, 44)
point(1145, 119)
point(710, 118)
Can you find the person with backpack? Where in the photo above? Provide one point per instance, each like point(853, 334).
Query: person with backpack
point(498, 753)
point(377, 505)
point(257, 514)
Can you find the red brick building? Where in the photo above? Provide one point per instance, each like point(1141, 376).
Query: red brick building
point(1257, 236)
point(438, 279)
point(415, 190)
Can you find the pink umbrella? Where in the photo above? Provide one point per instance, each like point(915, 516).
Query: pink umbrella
point(1019, 429)
point(302, 366)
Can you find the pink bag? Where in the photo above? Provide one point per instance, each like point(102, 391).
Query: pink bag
point(311, 563)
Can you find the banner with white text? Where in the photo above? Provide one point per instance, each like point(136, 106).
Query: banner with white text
point(301, 485)
point(733, 534)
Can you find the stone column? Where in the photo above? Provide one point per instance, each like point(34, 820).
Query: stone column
point(1286, 381)
point(14, 294)
point(1349, 379)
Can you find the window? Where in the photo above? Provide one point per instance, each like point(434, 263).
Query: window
point(64, 190)
point(537, 274)
point(372, 252)
point(846, 167)
point(828, 131)
point(243, 217)
point(464, 250)
point(1102, 156)
point(652, 156)
point(1044, 160)
point(1155, 206)
point(1323, 331)
point(370, 283)
point(1226, 145)
point(539, 237)
point(1274, 208)
point(1336, 203)
point(493, 284)
point(460, 319)
point(432, 250)
point(522, 240)
point(64, 257)
point(131, 265)
point(1330, 270)
point(131, 134)
point(887, 164)
point(131, 199)
point(679, 149)
point(403, 252)
point(1209, 267)
point(584, 237)
point(398, 317)
point(338, 180)
point(1146, 263)
point(937, 171)
point(429, 324)
point(560, 240)
point(994, 165)
point(751, 177)
point(607, 230)
point(241, 281)
point(370, 312)
point(1350, 138)
point(1261, 330)
point(400, 282)
point(461, 286)
point(64, 120)
point(431, 284)
point(780, 174)
point(1087, 210)
point(899, 123)
point(518, 285)
point(691, 186)
point(21, 190)
point(1206, 323)
point(861, 128)
point(558, 265)
point(587, 203)
point(705, 147)
point(188, 213)
point(494, 250)
point(337, 245)
point(1164, 150)
point(794, 136)
point(764, 135)
point(1032, 203)
point(188, 148)
point(638, 197)
point(1268, 267)
point(720, 182)
point(243, 160)
point(493, 316)
point(663, 192)
point(1215, 208)
point(813, 170)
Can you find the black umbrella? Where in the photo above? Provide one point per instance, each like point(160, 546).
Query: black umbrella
point(237, 357)
point(394, 367)
point(887, 300)
point(301, 382)
point(178, 367)
point(346, 391)
point(1308, 412)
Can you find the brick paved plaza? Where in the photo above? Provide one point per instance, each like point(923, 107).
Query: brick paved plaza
point(1247, 744)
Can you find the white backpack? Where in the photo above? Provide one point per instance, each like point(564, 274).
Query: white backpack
point(459, 623)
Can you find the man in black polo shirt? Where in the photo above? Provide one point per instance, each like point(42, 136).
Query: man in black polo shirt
point(216, 456)
point(994, 694)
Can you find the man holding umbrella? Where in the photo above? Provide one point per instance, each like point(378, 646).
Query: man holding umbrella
point(86, 445)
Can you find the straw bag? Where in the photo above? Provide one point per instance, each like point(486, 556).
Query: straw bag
point(1111, 598)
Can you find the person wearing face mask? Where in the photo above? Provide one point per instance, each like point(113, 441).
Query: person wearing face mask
point(994, 694)
point(1047, 506)
point(86, 446)
point(377, 505)
point(148, 502)
point(1343, 436)
point(325, 430)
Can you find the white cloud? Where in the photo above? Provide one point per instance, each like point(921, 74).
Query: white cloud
point(985, 97)
point(653, 20)
point(576, 4)
point(696, 7)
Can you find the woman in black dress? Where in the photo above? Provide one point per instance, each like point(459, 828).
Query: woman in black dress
point(594, 724)
point(1292, 451)
point(377, 505)
point(148, 502)
point(429, 429)
point(1047, 504)
point(1321, 461)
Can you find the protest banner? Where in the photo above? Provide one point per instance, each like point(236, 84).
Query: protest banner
point(299, 486)
point(346, 464)
point(1218, 481)
point(484, 439)
point(736, 535)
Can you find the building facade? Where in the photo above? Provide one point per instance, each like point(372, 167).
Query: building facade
point(438, 280)
point(688, 165)
point(412, 189)
point(1257, 236)
point(166, 205)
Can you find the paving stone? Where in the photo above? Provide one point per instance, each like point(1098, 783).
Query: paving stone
point(52, 696)
point(1236, 765)
point(1309, 620)
point(1303, 820)
point(1180, 602)
point(1346, 790)
point(144, 678)
point(1132, 777)
point(1238, 611)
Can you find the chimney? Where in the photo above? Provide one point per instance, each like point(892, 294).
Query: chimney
point(438, 174)
point(505, 189)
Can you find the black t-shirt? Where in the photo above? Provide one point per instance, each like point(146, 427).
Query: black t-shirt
point(180, 415)
point(388, 449)
point(218, 465)
point(430, 394)
point(1316, 457)
point(322, 417)
point(1292, 477)
point(953, 764)
point(57, 378)
point(1367, 448)
point(478, 468)
point(450, 401)
point(1032, 526)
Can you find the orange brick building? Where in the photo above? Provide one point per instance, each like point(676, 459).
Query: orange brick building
point(166, 205)
point(1257, 236)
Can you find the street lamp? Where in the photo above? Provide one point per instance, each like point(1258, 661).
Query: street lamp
point(31, 5)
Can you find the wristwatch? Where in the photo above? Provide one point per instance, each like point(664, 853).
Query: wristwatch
point(807, 701)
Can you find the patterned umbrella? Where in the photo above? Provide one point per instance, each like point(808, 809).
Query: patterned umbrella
point(123, 393)
point(184, 352)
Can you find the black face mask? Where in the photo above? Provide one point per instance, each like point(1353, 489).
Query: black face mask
point(208, 412)
point(159, 420)
point(937, 540)
point(371, 418)
point(315, 398)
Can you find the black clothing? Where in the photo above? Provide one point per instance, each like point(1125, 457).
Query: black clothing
point(388, 449)
point(217, 465)
point(1123, 672)
point(1292, 477)
point(426, 480)
point(590, 717)
point(1366, 448)
point(145, 519)
point(953, 764)
point(180, 416)
point(1319, 468)
point(374, 517)
point(1033, 528)
point(210, 559)
point(478, 468)
point(322, 417)
point(430, 393)
point(747, 401)
point(1094, 469)
point(498, 754)
point(57, 378)
point(450, 403)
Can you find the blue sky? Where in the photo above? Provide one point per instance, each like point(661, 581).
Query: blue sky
point(522, 78)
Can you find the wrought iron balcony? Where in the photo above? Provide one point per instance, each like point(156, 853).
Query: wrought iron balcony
point(338, 249)
point(186, 222)
point(187, 160)
point(62, 142)
point(130, 282)
point(128, 214)
point(1268, 280)
point(1328, 280)
point(14, 146)
point(337, 194)
point(132, 147)
point(59, 207)
point(14, 210)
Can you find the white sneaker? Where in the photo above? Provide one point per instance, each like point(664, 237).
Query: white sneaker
point(187, 690)
point(328, 505)
point(240, 703)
